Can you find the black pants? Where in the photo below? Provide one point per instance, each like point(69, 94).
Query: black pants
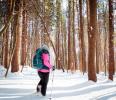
point(44, 77)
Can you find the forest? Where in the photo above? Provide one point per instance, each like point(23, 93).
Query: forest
point(80, 34)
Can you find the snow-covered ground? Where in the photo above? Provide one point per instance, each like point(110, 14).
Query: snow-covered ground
point(66, 86)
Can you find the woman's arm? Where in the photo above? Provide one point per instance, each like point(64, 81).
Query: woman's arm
point(46, 60)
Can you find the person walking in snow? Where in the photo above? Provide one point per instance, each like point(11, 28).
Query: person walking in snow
point(44, 70)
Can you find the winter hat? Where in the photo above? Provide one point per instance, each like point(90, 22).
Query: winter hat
point(44, 46)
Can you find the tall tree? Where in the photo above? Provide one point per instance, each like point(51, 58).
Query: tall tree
point(111, 46)
point(24, 36)
point(64, 42)
point(71, 62)
point(58, 32)
point(18, 30)
point(81, 37)
point(74, 34)
point(8, 8)
point(92, 40)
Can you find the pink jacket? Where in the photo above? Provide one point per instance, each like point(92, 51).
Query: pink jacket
point(46, 62)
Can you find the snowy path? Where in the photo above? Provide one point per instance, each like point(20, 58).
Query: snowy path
point(66, 86)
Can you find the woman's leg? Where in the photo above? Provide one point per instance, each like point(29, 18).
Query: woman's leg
point(39, 86)
point(45, 79)
point(40, 82)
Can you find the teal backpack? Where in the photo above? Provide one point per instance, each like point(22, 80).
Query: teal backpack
point(37, 59)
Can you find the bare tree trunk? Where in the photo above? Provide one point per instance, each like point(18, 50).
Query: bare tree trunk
point(78, 53)
point(16, 56)
point(92, 37)
point(6, 36)
point(69, 42)
point(97, 53)
point(98, 48)
point(24, 38)
point(81, 35)
point(58, 34)
point(5, 49)
point(105, 39)
point(71, 62)
point(111, 46)
point(65, 45)
point(12, 40)
point(74, 44)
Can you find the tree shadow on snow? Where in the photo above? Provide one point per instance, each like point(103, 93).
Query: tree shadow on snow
point(79, 89)
point(77, 86)
point(86, 90)
point(107, 96)
point(18, 94)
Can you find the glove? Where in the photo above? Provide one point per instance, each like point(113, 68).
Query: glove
point(53, 68)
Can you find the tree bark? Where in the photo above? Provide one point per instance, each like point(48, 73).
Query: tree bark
point(92, 37)
point(16, 56)
point(111, 46)
point(24, 38)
